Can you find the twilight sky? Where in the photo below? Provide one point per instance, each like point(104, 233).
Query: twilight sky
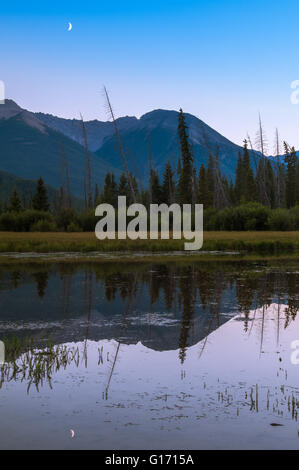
point(223, 61)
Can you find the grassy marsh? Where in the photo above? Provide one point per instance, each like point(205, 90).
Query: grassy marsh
point(262, 243)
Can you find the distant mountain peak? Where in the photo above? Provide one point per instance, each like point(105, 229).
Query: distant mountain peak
point(9, 109)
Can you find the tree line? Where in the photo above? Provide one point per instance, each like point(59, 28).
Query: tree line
point(260, 184)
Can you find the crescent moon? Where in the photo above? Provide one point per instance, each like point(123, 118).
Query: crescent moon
point(72, 432)
point(70, 27)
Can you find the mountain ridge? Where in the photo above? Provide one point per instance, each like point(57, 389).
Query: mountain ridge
point(30, 149)
point(31, 141)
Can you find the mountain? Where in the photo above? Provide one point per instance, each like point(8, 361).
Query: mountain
point(96, 131)
point(30, 148)
point(160, 128)
point(31, 145)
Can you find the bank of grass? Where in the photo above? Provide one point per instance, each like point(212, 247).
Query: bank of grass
point(247, 243)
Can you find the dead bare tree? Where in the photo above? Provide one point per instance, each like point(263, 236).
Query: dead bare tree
point(261, 143)
point(220, 196)
point(220, 199)
point(129, 177)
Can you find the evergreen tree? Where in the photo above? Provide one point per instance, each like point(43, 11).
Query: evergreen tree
point(270, 184)
point(110, 190)
point(262, 182)
point(249, 185)
point(291, 162)
point(15, 202)
point(231, 192)
point(123, 187)
point(167, 190)
point(297, 183)
point(211, 177)
point(156, 188)
point(185, 180)
point(239, 179)
point(40, 198)
point(204, 194)
point(135, 188)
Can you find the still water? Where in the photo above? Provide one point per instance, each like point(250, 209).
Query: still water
point(194, 355)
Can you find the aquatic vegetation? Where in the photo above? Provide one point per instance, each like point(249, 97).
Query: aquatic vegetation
point(35, 366)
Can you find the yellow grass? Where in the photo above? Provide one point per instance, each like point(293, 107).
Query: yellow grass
point(90, 236)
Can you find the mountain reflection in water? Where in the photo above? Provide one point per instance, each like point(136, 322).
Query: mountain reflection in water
point(148, 350)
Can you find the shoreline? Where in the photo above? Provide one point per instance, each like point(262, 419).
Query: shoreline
point(138, 258)
point(44, 247)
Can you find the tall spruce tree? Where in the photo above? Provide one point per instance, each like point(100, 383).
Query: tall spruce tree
point(291, 162)
point(211, 177)
point(40, 199)
point(204, 193)
point(123, 187)
point(185, 179)
point(167, 195)
point(15, 202)
point(249, 185)
point(239, 184)
point(110, 190)
point(270, 183)
point(156, 188)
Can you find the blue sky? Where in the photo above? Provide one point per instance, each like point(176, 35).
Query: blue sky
point(223, 61)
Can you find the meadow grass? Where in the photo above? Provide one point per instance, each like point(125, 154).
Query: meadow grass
point(262, 243)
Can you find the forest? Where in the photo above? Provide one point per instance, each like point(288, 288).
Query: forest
point(264, 195)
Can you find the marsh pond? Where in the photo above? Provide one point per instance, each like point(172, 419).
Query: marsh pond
point(184, 355)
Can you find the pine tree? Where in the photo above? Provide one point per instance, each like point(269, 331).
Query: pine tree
point(185, 180)
point(156, 188)
point(204, 194)
point(40, 198)
point(167, 193)
point(211, 177)
point(270, 184)
point(249, 185)
point(123, 187)
point(110, 190)
point(133, 195)
point(15, 202)
point(291, 162)
point(239, 179)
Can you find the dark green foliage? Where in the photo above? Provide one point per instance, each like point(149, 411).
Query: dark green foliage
point(109, 195)
point(168, 187)
point(291, 161)
point(157, 195)
point(23, 221)
point(251, 216)
point(243, 204)
point(185, 177)
point(15, 202)
point(281, 220)
point(40, 199)
point(65, 216)
point(204, 194)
